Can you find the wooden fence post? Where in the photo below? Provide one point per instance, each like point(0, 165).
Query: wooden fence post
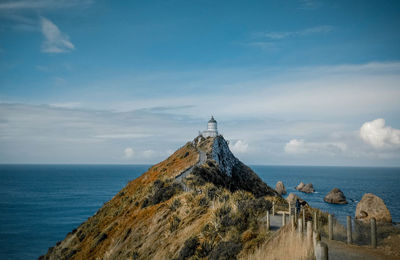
point(300, 226)
point(373, 232)
point(268, 221)
point(315, 221)
point(290, 210)
point(309, 231)
point(304, 218)
point(292, 220)
point(283, 219)
point(330, 227)
point(321, 251)
point(349, 236)
point(316, 238)
point(273, 208)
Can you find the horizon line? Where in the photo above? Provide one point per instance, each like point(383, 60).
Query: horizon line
point(144, 164)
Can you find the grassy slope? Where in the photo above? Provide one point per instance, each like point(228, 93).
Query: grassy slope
point(141, 223)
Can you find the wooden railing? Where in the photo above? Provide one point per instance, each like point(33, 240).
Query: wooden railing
point(313, 230)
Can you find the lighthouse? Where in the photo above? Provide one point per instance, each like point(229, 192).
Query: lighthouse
point(211, 128)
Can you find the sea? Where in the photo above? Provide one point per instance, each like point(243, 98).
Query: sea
point(40, 204)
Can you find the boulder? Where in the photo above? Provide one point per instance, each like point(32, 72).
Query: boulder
point(335, 196)
point(300, 186)
point(293, 197)
point(371, 206)
point(308, 188)
point(280, 188)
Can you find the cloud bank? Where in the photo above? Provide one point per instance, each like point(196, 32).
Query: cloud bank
point(301, 116)
point(295, 146)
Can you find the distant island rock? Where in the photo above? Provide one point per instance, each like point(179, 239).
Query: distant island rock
point(300, 186)
point(371, 206)
point(280, 188)
point(291, 198)
point(335, 196)
point(306, 188)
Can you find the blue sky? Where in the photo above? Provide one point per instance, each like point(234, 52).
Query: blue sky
point(290, 82)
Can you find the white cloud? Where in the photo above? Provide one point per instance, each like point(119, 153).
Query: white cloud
point(304, 32)
point(240, 146)
point(295, 146)
point(42, 4)
point(55, 40)
point(128, 152)
point(380, 136)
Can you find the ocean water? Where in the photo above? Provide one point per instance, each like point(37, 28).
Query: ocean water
point(352, 181)
point(40, 204)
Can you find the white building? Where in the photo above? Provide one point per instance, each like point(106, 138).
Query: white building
point(211, 128)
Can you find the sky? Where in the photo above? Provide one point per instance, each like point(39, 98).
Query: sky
point(295, 82)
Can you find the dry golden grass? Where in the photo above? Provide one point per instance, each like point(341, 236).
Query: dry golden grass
point(283, 245)
point(123, 229)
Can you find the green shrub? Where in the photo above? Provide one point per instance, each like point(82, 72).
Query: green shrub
point(205, 249)
point(174, 223)
point(189, 248)
point(225, 250)
point(175, 204)
point(161, 192)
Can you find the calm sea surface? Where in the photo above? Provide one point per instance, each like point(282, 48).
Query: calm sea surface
point(40, 204)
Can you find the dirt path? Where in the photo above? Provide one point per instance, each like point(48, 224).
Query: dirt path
point(185, 173)
point(339, 250)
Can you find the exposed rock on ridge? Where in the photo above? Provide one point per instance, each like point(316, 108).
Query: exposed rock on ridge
point(222, 168)
point(224, 158)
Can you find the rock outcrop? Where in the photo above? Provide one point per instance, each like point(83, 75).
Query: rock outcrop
point(293, 197)
point(280, 188)
point(335, 196)
point(300, 186)
point(166, 212)
point(306, 188)
point(371, 206)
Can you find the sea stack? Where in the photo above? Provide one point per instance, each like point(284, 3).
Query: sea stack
point(167, 211)
point(335, 196)
point(293, 197)
point(280, 188)
point(306, 188)
point(371, 206)
point(300, 186)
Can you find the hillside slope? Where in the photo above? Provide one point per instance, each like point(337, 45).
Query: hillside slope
point(200, 202)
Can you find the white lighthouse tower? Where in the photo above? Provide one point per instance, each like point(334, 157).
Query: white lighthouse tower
point(211, 128)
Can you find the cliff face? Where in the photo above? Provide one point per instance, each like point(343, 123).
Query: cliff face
point(200, 202)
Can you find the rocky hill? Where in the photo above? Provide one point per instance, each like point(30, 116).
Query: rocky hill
point(201, 202)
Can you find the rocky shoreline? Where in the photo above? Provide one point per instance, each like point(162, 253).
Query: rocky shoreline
point(370, 206)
